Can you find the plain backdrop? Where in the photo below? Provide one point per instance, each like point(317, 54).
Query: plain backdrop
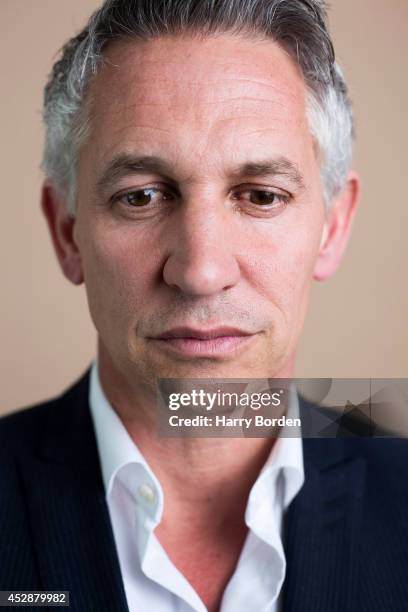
point(357, 321)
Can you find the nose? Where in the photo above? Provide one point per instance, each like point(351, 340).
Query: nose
point(201, 261)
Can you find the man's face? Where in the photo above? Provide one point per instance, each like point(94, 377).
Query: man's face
point(211, 239)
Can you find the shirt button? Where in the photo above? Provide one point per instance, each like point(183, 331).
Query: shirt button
point(146, 493)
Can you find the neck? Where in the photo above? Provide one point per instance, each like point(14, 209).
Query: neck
point(195, 473)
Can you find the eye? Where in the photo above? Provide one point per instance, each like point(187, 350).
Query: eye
point(144, 196)
point(265, 198)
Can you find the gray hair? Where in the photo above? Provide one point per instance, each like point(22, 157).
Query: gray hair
point(299, 26)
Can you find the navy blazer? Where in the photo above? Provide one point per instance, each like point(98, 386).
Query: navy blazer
point(346, 532)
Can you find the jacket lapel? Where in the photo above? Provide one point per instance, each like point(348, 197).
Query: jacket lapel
point(322, 526)
point(69, 517)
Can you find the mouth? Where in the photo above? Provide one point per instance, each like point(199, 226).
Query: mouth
point(218, 342)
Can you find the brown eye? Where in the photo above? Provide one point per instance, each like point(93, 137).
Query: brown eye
point(141, 197)
point(263, 198)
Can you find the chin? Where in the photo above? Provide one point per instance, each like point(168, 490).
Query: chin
point(207, 368)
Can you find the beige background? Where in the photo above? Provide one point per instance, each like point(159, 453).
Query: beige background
point(357, 321)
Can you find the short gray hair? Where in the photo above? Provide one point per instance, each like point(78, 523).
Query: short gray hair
point(299, 26)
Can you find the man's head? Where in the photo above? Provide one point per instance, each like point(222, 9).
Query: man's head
point(197, 158)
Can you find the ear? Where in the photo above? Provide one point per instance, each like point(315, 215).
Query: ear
point(337, 229)
point(61, 225)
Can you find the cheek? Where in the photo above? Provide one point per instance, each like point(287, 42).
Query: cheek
point(281, 267)
point(117, 277)
point(284, 260)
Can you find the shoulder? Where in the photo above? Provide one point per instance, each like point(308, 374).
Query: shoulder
point(386, 461)
point(374, 470)
point(387, 451)
point(351, 445)
point(21, 431)
point(378, 453)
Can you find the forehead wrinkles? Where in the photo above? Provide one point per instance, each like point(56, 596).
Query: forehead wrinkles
point(175, 70)
point(184, 97)
point(206, 111)
point(195, 104)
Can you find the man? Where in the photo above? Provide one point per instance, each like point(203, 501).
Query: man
point(198, 180)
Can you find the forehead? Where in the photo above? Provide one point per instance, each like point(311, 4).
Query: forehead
point(198, 94)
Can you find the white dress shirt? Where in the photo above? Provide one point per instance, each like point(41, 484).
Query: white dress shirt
point(135, 502)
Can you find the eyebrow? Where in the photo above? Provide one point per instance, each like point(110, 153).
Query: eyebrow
point(281, 166)
point(126, 164)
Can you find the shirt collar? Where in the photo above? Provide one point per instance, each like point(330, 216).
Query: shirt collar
point(117, 450)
